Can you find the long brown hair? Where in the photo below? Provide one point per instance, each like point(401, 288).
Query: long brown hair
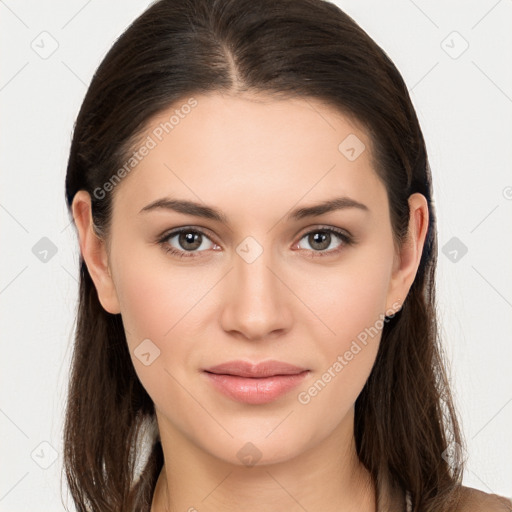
point(405, 422)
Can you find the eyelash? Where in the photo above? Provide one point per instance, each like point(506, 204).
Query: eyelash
point(346, 240)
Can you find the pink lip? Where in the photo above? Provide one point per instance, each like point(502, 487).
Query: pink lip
point(255, 383)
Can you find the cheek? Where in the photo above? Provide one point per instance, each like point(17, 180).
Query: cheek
point(168, 306)
point(351, 296)
point(155, 297)
point(151, 303)
point(350, 301)
point(347, 358)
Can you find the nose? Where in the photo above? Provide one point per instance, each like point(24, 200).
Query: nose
point(256, 301)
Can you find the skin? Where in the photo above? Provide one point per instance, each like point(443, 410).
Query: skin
point(254, 158)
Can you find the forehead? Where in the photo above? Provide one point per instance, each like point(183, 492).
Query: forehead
point(249, 150)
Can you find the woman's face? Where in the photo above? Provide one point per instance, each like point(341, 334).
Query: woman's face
point(267, 281)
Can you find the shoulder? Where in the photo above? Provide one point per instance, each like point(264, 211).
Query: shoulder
point(474, 500)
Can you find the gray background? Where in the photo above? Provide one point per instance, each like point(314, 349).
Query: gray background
point(463, 98)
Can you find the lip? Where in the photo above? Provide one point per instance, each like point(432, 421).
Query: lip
point(255, 383)
point(263, 369)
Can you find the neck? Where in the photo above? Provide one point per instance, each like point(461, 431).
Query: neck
point(327, 477)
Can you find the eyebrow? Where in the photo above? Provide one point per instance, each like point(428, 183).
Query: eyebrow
point(209, 212)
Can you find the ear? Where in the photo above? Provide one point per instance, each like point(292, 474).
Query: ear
point(94, 252)
point(408, 260)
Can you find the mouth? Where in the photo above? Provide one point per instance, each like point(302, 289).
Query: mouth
point(255, 383)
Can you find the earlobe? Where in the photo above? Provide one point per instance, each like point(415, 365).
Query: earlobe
point(94, 252)
point(410, 253)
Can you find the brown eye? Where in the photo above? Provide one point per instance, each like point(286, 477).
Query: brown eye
point(185, 242)
point(190, 240)
point(320, 240)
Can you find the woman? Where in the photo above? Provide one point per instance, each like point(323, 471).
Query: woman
point(257, 324)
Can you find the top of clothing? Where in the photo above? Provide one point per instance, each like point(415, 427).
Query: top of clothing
point(408, 502)
point(391, 497)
